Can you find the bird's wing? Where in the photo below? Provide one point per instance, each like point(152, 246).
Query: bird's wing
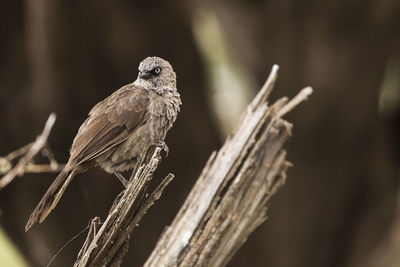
point(110, 122)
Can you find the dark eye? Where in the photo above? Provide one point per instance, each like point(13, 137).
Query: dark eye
point(157, 70)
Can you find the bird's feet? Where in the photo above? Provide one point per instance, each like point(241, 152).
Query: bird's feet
point(163, 145)
point(138, 160)
point(121, 178)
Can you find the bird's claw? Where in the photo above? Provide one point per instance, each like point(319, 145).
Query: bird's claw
point(139, 160)
point(163, 146)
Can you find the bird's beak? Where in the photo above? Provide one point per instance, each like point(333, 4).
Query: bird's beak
point(144, 75)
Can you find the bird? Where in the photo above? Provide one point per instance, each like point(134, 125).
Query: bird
point(120, 130)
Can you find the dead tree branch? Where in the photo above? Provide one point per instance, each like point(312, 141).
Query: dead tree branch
point(27, 153)
point(108, 246)
point(229, 200)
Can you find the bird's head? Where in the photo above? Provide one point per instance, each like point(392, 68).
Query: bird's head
point(157, 74)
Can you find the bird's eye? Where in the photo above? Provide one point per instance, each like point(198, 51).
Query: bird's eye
point(157, 70)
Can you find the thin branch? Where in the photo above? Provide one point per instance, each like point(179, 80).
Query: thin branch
point(27, 152)
point(39, 168)
point(300, 97)
point(19, 152)
point(267, 87)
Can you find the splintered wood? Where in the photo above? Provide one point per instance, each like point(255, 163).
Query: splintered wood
point(108, 245)
point(229, 200)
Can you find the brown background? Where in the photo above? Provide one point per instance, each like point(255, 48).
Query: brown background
point(340, 200)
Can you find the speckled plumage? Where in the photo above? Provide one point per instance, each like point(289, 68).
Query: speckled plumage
point(120, 129)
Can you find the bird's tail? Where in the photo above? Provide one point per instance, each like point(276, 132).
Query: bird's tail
point(50, 199)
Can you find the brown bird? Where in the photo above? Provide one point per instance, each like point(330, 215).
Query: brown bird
point(120, 130)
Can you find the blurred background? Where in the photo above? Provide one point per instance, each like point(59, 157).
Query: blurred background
point(341, 204)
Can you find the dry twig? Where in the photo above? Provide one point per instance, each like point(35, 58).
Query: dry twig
point(25, 163)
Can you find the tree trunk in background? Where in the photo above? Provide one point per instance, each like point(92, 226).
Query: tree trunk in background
point(40, 17)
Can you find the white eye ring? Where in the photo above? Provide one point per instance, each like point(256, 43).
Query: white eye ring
point(157, 70)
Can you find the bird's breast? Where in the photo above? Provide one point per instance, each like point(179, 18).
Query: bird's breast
point(160, 119)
